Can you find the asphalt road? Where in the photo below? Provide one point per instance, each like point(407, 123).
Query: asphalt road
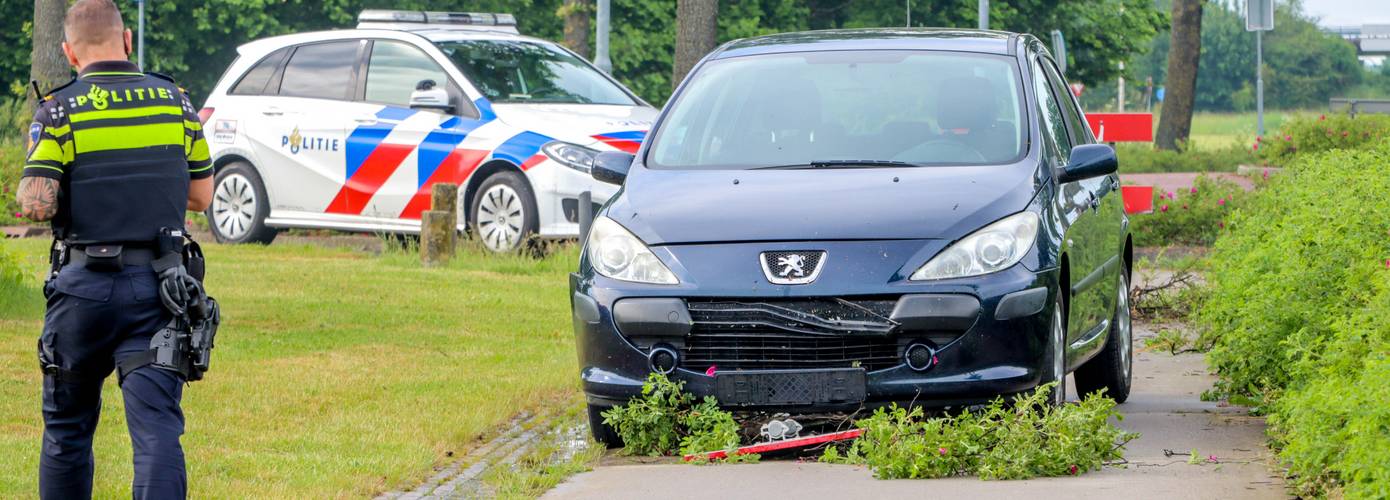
point(1164, 407)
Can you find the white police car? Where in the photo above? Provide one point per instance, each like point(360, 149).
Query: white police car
point(348, 129)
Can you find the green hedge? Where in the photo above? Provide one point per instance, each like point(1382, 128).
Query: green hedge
point(1296, 317)
point(1194, 216)
point(1307, 134)
point(1144, 158)
point(11, 163)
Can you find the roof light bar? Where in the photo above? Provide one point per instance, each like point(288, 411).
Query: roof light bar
point(426, 17)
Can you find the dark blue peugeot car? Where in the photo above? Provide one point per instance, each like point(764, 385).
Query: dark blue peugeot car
point(836, 219)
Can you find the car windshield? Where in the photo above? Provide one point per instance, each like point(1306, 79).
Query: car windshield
point(509, 71)
point(842, 109)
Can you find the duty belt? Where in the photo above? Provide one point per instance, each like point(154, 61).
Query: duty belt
point(81, 255)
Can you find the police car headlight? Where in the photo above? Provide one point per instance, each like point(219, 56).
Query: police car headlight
point(616, 253)
point(571, 155)
point(994, 248)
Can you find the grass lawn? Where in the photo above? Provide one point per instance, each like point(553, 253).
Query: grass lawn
point(1221, 130)
point(336, 373)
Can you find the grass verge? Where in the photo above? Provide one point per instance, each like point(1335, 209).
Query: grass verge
point(337, 373)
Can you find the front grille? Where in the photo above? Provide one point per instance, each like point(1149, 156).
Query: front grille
point(802, 333)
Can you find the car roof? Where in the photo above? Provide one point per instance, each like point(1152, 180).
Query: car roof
point(266, 45)
point(952, 39)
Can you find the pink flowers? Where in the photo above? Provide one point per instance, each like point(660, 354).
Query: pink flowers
point(1322, 117)
point(709, 372)
point(1163, 208)
point(1265, 174)
point(1193, 190)
point(1288, 138)
point(1212, 459)
point(1256, 147)
point(1072, 469)
point(1221, 225)
point(1344, 133)
point(941, 451)
point(1221, 202)
point(18, 215)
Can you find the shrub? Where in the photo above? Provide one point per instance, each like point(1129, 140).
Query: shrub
point(1144, 158)
point(666, 417)
point(1023, 439)
point(1192, 217)
point(1296, 316)
point(1308, 135)
point(11, 163)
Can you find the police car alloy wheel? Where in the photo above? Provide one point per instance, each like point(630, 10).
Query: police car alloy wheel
point(1057, 351)
point(504, 212)
point(239, 206)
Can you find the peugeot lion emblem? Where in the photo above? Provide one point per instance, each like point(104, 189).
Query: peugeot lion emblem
point(792, 267)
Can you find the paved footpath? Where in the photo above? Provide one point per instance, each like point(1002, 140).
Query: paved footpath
point(1164, 407)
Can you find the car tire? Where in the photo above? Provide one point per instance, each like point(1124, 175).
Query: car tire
point(1113, 368)
point(1056, 368)
point(603, 433)
point(503, 214)
point(239, 206)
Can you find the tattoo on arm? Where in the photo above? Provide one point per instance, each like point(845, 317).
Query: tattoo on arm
point(38, 198)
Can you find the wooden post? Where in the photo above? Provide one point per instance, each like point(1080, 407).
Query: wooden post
point(439, 225)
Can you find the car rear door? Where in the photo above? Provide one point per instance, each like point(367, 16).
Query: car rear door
point(300, 129)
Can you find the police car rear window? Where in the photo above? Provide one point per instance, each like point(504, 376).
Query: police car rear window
point(321, 70)
point(255, 80)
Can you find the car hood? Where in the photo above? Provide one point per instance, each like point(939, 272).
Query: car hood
point(691, 206)
point(593, 125)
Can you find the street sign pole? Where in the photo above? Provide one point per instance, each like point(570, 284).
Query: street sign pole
point(1259, 17)
point(984, 14)
point(1259, 84)
point(601, 43)
point(140, 43)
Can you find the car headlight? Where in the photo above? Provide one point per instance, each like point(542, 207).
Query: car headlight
point(994, 248)
point(616, 253)
point(571, 155)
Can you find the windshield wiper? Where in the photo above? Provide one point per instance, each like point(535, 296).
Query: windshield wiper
point(839, 164)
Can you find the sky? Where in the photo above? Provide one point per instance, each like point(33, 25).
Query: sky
point(1349, 12)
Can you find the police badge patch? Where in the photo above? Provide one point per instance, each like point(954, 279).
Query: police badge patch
point(35, 130)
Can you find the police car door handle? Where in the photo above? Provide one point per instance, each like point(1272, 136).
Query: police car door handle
point(272, 112)
point(365, 120)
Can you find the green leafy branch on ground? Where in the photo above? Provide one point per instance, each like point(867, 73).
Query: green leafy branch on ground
point(1020, 439)
point(666, 419)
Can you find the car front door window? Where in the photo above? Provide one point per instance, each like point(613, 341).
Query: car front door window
point(395, 69)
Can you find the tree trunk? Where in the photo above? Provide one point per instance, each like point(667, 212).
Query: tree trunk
point(48, 65)
point(1176, 121)
point(697, 26)
point(576, 14)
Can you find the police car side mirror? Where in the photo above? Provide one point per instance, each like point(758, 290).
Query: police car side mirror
point(612, 166)
point(429, 96)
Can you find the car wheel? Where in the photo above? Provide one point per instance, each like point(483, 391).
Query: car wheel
point(504, 214)
point(603, 433)
point(239, 206)
point(1056, 369)
point(1113, 368)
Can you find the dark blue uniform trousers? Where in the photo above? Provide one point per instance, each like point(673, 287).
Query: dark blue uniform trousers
point(93, 320)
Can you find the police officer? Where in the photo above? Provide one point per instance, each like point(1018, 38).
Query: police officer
point(116, 156)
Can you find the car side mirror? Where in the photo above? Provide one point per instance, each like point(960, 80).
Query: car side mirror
point(428, 95)
point(612, 166)
point(1089, 161)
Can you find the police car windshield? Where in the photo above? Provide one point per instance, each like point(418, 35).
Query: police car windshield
point(509, 71)
point(845, 109)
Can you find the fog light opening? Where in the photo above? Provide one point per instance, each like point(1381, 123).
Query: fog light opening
point(663, 359)
point(919, 357)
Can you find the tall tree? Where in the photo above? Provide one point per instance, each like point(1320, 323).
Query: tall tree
point(576, 14)
point(697, 26)
point(48, 65)
point(1183, 57)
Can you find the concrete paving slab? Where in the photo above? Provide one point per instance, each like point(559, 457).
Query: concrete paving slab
point(1165, 407)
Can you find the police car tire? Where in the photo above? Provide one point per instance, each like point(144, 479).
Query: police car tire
point(530, 215)
point(258, 232)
